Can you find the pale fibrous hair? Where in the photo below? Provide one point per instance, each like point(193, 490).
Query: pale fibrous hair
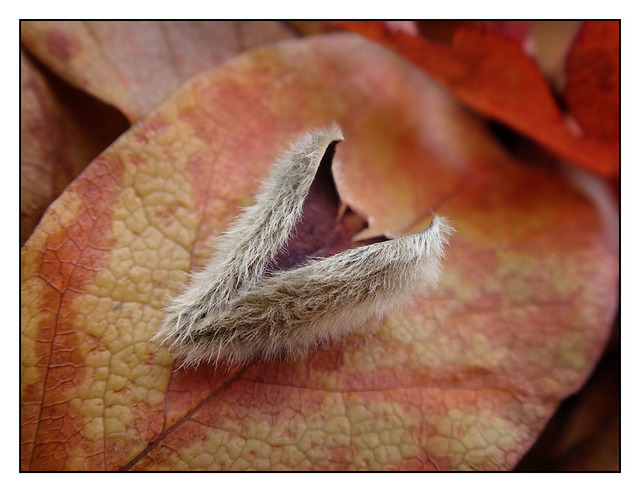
point(238, 308)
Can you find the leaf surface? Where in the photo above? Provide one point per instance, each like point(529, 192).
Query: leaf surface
point(61, 131)
point(490, 72)
point(465, 380)
point(135, 65)
point(85, 73)
point(592, 90)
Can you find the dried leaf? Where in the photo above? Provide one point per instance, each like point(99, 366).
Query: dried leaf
point(584, 434)
point(135, 65)
point(130, 65)
point(593, 80)
point(493, 75)
point(61, 131)
point(551, 42)
point(466, 380)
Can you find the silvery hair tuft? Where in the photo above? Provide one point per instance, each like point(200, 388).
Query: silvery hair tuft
point(236, 310)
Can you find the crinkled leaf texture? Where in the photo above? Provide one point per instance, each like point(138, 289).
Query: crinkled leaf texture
point(89, 75)
point(465, 380)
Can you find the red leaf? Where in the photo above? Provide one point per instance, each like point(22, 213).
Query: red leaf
point(593, 80)
point(492, 74)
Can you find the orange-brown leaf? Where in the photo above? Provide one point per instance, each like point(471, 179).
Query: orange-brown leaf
point(584, 434)
point(61, 131)
point(68, 120)
point(465, 380)
point(135, 65)
point(493, 75)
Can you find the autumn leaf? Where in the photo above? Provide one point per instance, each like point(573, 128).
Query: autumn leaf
point(465, 380)
point(490, 72)
point(61, 131)
point(584, 434)
point(135, 65)
point(592, 89)
point(80, 79)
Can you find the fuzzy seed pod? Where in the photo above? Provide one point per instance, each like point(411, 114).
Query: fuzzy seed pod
point(239, 309)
